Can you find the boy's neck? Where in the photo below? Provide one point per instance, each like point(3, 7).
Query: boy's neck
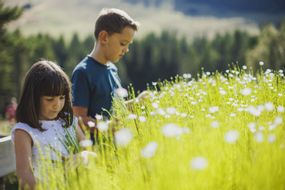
point(98, 56)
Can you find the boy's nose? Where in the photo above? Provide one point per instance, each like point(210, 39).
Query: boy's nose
point(126, 50)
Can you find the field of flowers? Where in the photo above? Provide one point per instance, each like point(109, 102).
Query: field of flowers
point(218, 131)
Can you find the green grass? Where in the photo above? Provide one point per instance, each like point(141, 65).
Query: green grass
point(208, 133)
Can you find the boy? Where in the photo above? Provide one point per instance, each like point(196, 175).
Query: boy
point(95, 78)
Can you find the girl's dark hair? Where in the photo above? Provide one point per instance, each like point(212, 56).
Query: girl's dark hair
point(113, 21)
point(45, 78)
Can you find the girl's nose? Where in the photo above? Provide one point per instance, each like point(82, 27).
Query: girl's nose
point(56, 103)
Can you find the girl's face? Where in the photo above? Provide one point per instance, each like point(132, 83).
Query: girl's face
point(50, 106)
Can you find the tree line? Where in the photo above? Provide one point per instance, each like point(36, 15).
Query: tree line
point(151, 58)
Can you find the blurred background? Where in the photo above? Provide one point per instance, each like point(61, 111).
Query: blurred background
point(175, 37)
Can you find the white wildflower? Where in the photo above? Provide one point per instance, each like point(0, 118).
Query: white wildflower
point(171, 110)
point(154, 105)
point(280, 109)
point(215, 124)
point(231, 136)
point(172, 130)
point(213, 109)
point(85, 155)
point(271, 138)
point(142, 119)
point(98, 117)
point(102, 126)
point(278, 120)
point(245, 91)
point(121, 92)
point(91, 124)
point(258, 137)
point(123, 137)
point(85, 143)
point(199, 163)
point(252, 127)
point(132, 116)
point(261, 63)
point(149, 150)
point(269, 106)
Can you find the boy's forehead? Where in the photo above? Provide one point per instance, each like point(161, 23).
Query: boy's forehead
point(126, 34)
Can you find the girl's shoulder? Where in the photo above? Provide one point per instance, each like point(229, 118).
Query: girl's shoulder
point(22, 126)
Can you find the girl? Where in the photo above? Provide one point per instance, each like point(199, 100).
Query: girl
point(45, 121)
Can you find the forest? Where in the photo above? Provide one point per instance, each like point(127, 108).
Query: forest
point(152, 58)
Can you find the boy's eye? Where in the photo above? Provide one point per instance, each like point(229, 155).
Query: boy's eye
point(124, 44)
point(62, 97)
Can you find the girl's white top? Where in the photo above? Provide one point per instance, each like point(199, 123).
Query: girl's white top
point(50, 143)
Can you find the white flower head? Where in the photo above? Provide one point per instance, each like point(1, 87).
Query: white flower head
point(252, 127)
point(149, 150)
point(199, 163)
point(172, 130)
point(271, 138)
point(213, 109)
point(102, 126)
point(280, 109)
point(85, 155)
point(269, 106)
point(215, 124)
point(231, 136)
point(261, 63)
point(245, 91)
point(186, 75)
point(91, 124)
point(98, 117)
point(132, 116)
point(142, 119)
point(121, 92)
point(222, 92)
point(254, 111)
point(278, 120)
point(171, 110)
point(258, 137)
point(123, 137)
point(155, 105)
point(85, 143)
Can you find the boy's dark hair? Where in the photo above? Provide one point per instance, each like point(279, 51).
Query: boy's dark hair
point(113, 21)
point(45, 78)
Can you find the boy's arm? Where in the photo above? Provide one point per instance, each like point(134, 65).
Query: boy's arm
point(81, 112)
point(23, 152)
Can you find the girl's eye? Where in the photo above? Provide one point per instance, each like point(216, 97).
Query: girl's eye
point(62, 97)
point(123, 44)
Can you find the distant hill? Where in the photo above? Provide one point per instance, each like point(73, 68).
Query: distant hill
point(64, 17)
point(222, 7)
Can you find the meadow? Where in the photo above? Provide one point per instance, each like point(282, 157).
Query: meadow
point(213, 131)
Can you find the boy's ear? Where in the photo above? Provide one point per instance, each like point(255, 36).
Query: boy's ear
point(103, 37)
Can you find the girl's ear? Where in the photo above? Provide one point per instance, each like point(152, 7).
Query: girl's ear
point(103, 37)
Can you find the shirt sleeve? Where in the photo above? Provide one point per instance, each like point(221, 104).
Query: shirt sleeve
point(80, 89)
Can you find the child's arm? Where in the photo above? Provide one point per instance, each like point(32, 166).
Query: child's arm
point(23, 152)
point(82, 112)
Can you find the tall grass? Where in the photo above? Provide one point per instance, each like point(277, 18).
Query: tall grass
point(220, 131)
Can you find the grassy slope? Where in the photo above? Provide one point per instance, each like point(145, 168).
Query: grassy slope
point(66, 17)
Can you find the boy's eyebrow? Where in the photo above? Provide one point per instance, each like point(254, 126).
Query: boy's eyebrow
point(130, 42)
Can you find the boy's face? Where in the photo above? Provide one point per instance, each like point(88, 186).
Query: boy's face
point(117, 44)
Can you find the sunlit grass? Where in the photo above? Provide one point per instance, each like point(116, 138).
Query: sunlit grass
point(215, 132)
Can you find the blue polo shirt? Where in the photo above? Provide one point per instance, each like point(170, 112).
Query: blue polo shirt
point(93, 86)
